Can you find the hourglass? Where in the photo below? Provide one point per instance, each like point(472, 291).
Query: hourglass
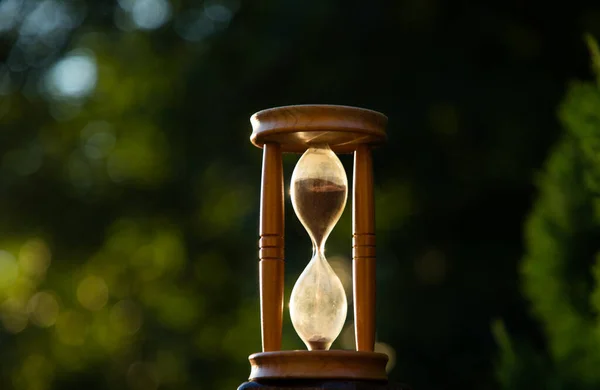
point(318, 192)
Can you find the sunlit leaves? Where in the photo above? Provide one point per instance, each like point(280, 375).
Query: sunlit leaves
point(562, 243)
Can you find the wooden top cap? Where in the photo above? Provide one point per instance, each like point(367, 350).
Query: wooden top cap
point(335, 364)
point(295, 128)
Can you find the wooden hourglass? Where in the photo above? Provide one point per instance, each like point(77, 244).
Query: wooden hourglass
point(318, 191)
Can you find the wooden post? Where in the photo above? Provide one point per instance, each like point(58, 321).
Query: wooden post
point(363, 249)
point(271, 248)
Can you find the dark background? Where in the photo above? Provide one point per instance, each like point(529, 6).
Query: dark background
point(129, 188)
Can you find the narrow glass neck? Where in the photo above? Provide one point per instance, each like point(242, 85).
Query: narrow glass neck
point(318, 247)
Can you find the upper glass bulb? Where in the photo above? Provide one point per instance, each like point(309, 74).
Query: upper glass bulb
point(319, 191)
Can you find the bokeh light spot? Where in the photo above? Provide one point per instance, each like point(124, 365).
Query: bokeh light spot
point(126, 5)
point(74, 76)
point(43, 309)
point(22, 289)
point(9, 12)
point(14, 315)
point(92, 293)
point(150, 14)
point(94, 127)
point(48, 16)
point(34, 258)
point(126, 317)
point(97, 139)
point(390, 352)
point(194, 25)
point(218, 11)
point(122, 19)
point(99, 145)
point(36, 372)
point(9, 270)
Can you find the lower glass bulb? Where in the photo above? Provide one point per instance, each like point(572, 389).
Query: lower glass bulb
point(318, 304)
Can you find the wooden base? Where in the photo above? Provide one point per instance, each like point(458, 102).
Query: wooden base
point(314, 365)
point(295, 128)
point(321, 385)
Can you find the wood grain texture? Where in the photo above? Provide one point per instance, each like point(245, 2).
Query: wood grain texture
point(271, 248)
point(297, 127)
point(321, 385)
point(363, 249)
point(333, 364)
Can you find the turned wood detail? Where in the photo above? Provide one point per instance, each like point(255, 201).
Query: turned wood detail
point(271, 248)
point(295, 128)
point(363, 249)
point(333, 364)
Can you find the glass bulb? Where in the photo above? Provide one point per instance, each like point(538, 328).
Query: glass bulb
point(319, 191)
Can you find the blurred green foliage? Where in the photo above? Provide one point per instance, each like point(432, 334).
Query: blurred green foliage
point(561, 269)
point(129, 188)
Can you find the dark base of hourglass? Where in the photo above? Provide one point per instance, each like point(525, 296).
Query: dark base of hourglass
point(312, 370)
point(320, 385)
